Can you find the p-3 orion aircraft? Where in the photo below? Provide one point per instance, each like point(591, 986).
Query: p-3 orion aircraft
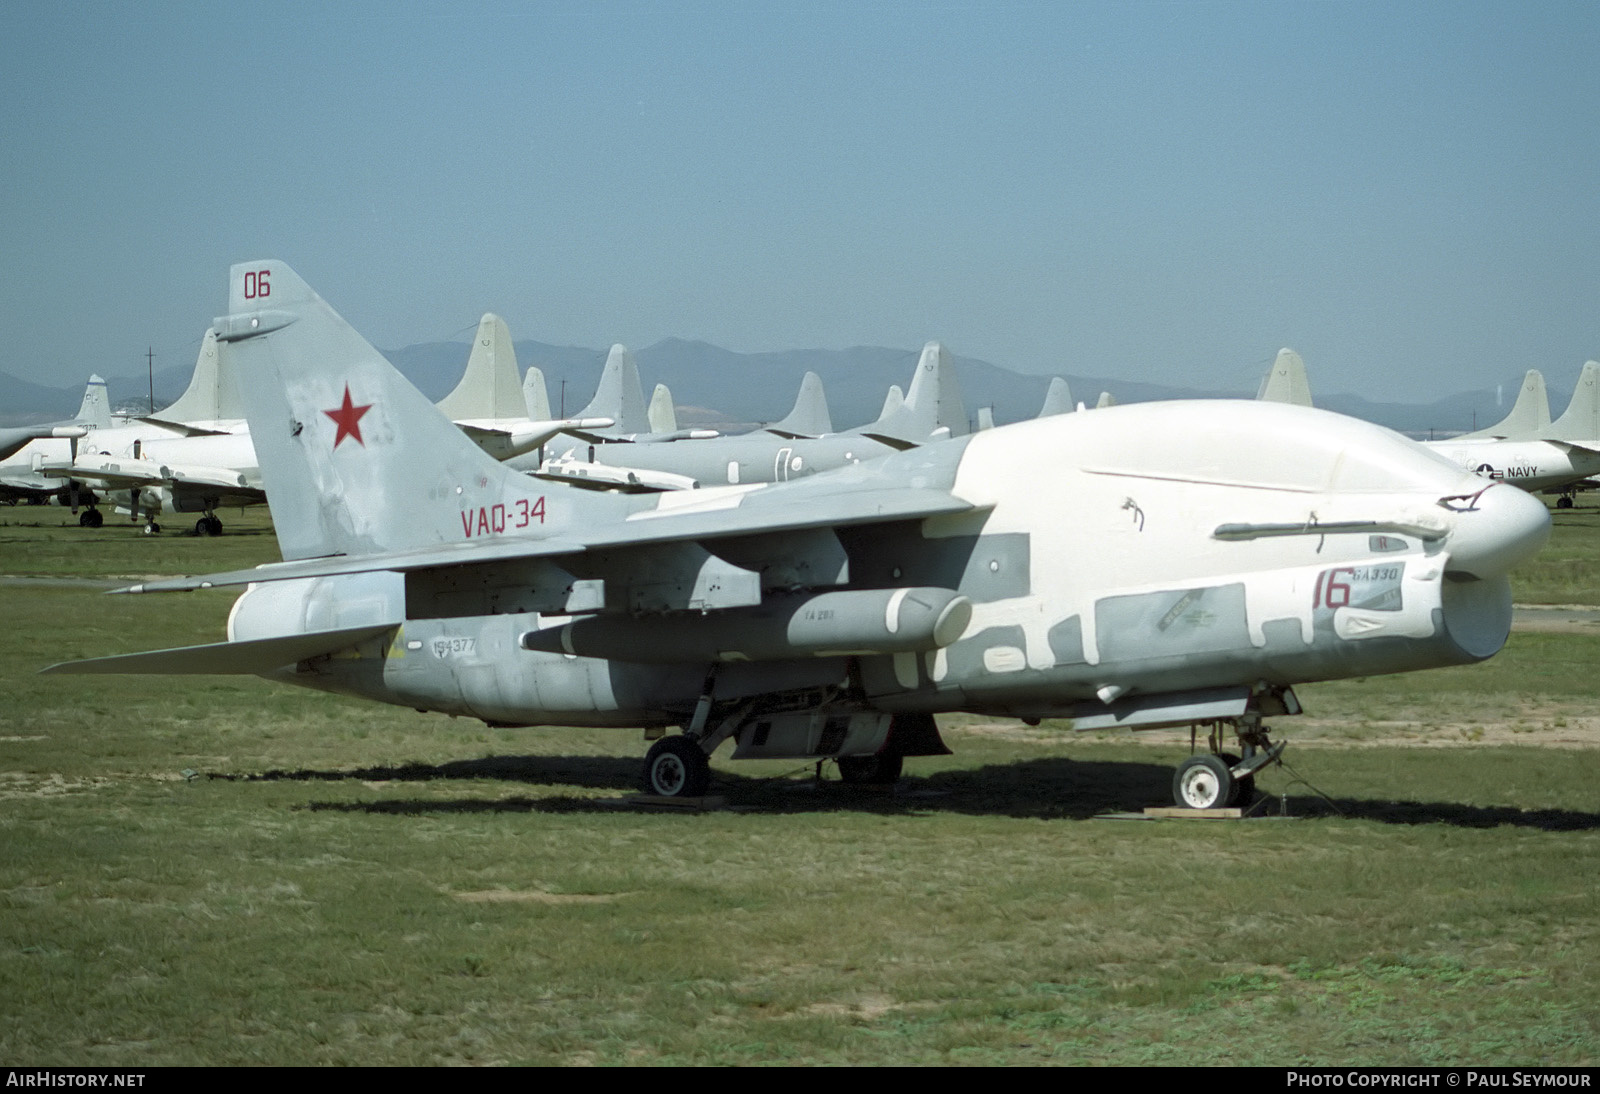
point(1155, 564)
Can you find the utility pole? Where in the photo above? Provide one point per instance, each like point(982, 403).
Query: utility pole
point(563, 412)
point(150, 364)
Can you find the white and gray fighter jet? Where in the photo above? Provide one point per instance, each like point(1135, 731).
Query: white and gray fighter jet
point(1150, 565)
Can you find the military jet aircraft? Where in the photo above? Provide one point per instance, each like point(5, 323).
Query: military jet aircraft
point(1149, 565)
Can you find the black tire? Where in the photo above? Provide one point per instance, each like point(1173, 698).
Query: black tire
point(1203, 781)
point(676, 767)
point(882, 769)
point(1244, 789)
point(216, 525)
point(1563, 503)
point(202, 527)
point(91, 518)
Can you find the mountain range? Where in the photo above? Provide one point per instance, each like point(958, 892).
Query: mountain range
point(719, 387)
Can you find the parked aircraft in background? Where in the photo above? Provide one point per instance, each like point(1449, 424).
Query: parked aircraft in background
point(795, 447)
point(1552, 458)
point(93, 413)
point(1557, 458)
point(489, 404)
point(67, 471)
point(1149, 565)
point(1529, 417)
point(197, 455)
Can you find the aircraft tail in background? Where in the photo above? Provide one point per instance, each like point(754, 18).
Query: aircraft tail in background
point(619, 395)
point(1580, 422)
point(535, 396)
point(663, 414)
point(95, 410)
point(1529, 418)
point(1286, 381)
point(932, 409)
point(490, 387)
point(810, 417)
point(213, 394)
point(1057, 400)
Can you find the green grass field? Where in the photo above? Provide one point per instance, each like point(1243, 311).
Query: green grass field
point(226, 871)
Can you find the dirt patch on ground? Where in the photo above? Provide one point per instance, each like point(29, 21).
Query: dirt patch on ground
point(21, 784)
point(534, 896)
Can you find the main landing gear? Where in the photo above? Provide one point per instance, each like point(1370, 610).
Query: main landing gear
point(208, 525)
point(1217, 779)
point(676, 767)
point(91, 518)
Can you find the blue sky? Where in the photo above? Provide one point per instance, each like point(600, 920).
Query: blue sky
point(1404, 192)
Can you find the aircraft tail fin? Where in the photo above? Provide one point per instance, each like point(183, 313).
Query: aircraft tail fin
point(810, 417)
point(213, 393)
point(933, 407)
point(1057, 400)
point(1106, 399)
point(1286, 381)
point(95, 410)
point(893, 400)
point(619, 395)
point(1530, 414)
point(535, 397)
point(663, 415)
point(1581, 420)
point(354, 459)
point(489, 387)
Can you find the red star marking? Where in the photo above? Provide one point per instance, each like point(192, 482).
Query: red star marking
point(348, 419)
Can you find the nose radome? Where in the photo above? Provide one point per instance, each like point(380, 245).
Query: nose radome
point(1501, 528)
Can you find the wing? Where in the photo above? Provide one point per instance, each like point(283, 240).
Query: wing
point(708, 516)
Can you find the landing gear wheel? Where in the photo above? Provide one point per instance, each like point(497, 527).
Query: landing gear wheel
point(676, 767)
point(1563, 503)
point(152, 528)
point(208, 526)
point(91, 518)
point(1203, 781)
point(882, 769)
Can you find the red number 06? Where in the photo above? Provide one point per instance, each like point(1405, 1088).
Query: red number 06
point(255, 284)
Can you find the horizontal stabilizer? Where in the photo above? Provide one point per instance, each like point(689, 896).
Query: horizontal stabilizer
point(182, 429)
point(258, 655)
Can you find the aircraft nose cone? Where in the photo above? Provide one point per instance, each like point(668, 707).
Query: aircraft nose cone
point(1502, 528)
